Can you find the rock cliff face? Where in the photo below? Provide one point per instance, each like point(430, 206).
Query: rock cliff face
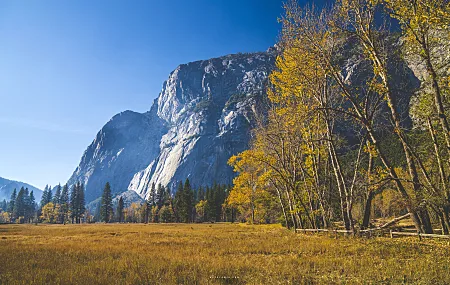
point(202, 116)
point(124, 146)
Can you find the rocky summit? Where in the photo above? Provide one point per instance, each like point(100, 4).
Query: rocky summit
point(202, 116)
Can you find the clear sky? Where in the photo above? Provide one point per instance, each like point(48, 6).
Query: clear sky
point(66, 67)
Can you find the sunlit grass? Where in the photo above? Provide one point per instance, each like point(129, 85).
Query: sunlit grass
point(204, 253)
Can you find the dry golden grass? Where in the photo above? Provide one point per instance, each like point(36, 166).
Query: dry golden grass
point(204, 253)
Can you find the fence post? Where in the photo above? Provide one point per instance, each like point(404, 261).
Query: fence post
point(390, 233)
point(418, 233)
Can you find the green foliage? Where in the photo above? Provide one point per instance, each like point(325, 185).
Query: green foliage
point(106, 209)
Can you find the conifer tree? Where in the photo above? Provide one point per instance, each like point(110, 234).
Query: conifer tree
point(44, 197)
point(49, 195)
point(57, 197)
point(4, 205)
point(19, 206)
point(12, 201)
point(160, 195)
point(152, 197)
point(64, 201)
point(188, 201)
point(74, 203)
point(106, 206)
point(120, 208)
point(81, 201)
point(31, 206)
point(178, 202)
point(147, 208)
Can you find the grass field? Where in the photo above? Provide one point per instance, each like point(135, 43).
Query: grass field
point(211, 254)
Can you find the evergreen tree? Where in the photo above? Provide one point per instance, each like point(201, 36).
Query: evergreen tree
point(106, 206)
point(4, 205)
point(200, 194)
point(81, 202)
point(49, 195)
point(188, 201)
point(64, 201)
point(57, 197)
point(178, 202)
point(147, 210)
point(44, 197)
point(31, 206)
point(152, 197)
point(160, 195)
point(12, 201)
point(167, 196)
point(74, 203)
point(120, 208)
point(19, 205)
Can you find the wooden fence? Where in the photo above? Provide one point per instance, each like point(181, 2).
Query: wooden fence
point(377, 231)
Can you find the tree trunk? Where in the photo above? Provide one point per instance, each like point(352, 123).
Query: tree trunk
point(367, 210)
point(291, 210)
point(282, 208)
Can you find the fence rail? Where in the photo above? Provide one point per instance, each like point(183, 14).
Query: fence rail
point(380, 230)
point(324, 230)
point(420, 235)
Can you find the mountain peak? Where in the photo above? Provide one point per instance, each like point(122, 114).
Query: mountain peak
point(202, 116)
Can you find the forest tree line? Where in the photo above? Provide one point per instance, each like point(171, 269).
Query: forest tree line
point(338, 140)
point(187, 205)
point(62, 207)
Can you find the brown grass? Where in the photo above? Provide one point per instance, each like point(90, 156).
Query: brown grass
point(211, 254)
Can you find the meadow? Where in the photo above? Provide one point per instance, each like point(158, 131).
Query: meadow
point(211, 254)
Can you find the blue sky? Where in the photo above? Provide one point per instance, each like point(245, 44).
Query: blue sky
point(66, 67)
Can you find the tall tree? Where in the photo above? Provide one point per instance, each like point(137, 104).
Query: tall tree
point(65, 204)
point(75, 203)
point(188, 201)
point(44, 198)
point(178, 203)
point(106, 208)
point(57, 197)
point(12, 201)
point(19, 205)
point(81, 201)
point(31, 206)
point(119, 211)
point(152, 198)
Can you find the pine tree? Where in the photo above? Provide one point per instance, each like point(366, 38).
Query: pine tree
point(29, 205)
point(12, 201)
point(120, 208)
point(152, 198)
point(44, 197)
point(160, 195)
point(188, 201)
point(4, 205)
point(57, 197)
point(178, 202)
point(64, 201)
point(49, 195)
point(81, 202)
point(19, 206)
point(167, 196)
point(74, 203)
point(106, 206)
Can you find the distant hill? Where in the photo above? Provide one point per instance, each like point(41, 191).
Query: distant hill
point(8, 186)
